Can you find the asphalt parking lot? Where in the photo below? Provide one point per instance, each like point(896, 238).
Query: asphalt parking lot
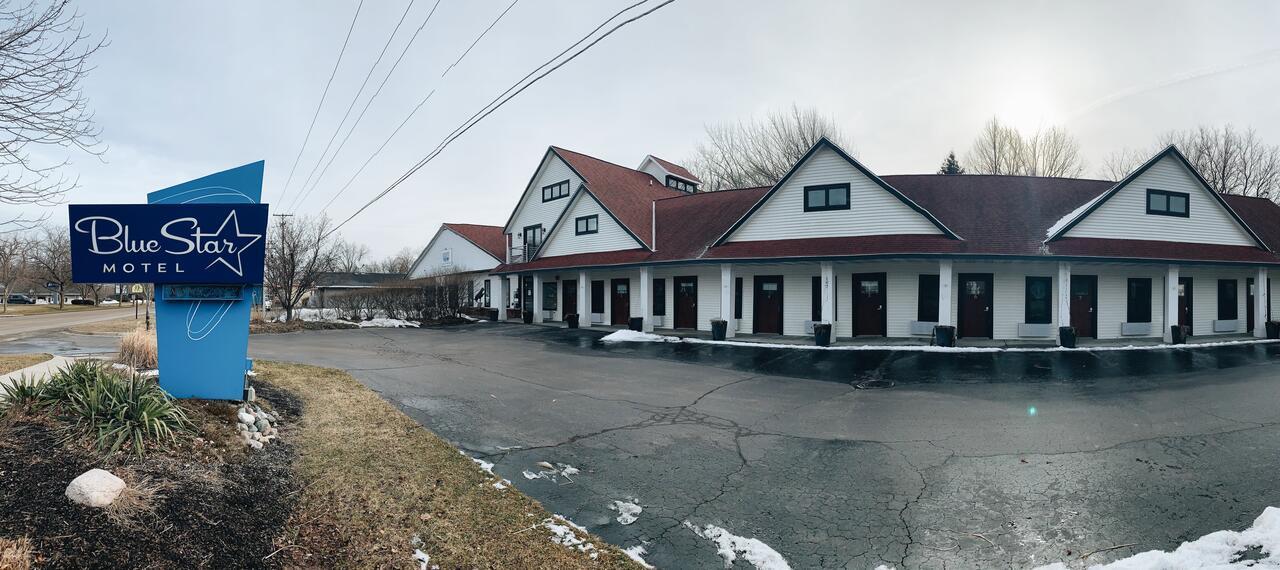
point(968, 460)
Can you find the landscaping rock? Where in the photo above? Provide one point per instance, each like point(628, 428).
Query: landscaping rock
point(245, 418)
point(262, 425)
point(95, 488)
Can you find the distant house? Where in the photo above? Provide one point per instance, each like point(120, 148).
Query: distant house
point(468, 251)
point(337, 282)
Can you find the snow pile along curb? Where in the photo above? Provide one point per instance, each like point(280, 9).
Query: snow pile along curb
point(1222, 549)
point(729, 546)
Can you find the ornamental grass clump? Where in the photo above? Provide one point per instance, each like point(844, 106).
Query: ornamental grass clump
point(115, 410)
point(138, 350)
point(23, 394)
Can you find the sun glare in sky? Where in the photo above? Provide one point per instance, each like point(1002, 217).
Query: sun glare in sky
point(1027, 107)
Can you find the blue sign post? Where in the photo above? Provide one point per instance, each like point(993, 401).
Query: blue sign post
point(203, 244)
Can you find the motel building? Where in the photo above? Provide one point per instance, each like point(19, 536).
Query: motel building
point(887, 259)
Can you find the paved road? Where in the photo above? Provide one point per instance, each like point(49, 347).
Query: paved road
point(973, 460)
point(14, 326)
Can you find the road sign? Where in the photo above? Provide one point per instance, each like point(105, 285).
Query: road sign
point(50, 285)
point(137, 289)
point(168, 243)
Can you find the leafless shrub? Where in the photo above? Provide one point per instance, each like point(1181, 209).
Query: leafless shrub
point(1002, 149)
point(138, 349)
point(16, 554)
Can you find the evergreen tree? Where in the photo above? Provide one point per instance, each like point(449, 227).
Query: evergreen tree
point(951, 165)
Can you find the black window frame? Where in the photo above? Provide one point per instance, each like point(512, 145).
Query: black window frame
point(826, 190)
point(1186, 198)
point(558, 190)
point(660, 297)
point(680, 184)
point(927, 298)
point(737, 297)
point(550, 292)
point(579, 231)
point(524, 235)
point(1138, 308)
point(815, 298)
point(597, 296)
point(1232, 308)
point(1028, 309)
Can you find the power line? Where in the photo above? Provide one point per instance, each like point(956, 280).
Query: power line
point(322, 97)
point(360, 91)
point(368, 104)
point(478, 38)
point(467, 125)
point(584, 38)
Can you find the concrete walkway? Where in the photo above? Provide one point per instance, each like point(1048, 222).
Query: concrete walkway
point(41, 371)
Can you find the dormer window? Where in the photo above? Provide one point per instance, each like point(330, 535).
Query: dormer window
point(1166, 203)
point(681, 184)
point(555, 191)
point(586, 225)
point(826, 197)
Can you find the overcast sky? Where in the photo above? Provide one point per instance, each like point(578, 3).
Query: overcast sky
point(186, 88)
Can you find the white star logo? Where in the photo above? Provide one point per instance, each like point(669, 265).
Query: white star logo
point(228, 246)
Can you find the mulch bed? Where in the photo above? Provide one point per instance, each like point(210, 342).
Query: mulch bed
point(224, 509)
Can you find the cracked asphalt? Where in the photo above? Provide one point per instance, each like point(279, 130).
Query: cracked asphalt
point(968, 461)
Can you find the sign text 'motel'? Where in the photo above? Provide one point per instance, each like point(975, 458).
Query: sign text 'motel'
point(168, 243)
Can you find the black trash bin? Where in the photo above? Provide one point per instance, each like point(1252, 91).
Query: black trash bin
point(636, 323)
point(822, 334)
point(528, 317)
point(1178, 334)
point(718, 329)
point(572, 320)
point(944, 335)
point(1067, 337)
point(1273, 329)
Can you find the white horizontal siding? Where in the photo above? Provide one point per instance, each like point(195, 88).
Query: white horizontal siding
point(1113, 295)
point(1125, 215)
point(1204, 304)
point(464, 256)
point(532, 210)
point(708, 292)
point(1009, 294)
point(565, 241)
point(873, 210)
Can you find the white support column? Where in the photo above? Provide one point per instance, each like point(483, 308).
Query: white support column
point(1170, 302)
point(944, 293)
point(537, 298)
point(1064, 294)
point(584, 299)
point(646, 299)
point(503, 296)
point(828, 294)
point(726, 297)
point(1261, 300)
point(495, 288)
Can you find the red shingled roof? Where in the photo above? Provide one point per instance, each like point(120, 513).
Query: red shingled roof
point(489, 238)
point(627, 193)
point(995, 216)
point(676, 169)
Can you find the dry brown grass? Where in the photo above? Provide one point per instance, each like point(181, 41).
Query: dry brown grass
point(138, 349)
point(16, 554)
point(114, 326)
point(20, 310)
point(139, 499)
point(373, 479)
point(11, 362)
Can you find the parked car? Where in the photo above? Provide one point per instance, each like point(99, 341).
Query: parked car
point(17, 299)
point(82, 301)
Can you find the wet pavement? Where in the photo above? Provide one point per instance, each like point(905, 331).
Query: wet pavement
point(968, 460)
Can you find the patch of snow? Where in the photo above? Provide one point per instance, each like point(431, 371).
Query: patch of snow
point(149, 373)
point(565, 532)
point(632, 336)
point(500, 485)
point(385, 323)
point(636, 553)
point(485, 465)
point(1063, 221)
point(422, 558)
point(110, 302)
point(636, 336)
point(551, 472)
point(729, 546)
point(628, 510)
point(1220, 549)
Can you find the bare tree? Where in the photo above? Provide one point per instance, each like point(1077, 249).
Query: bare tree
point(15, 250)
point(761, 151)
point(1002, 149)
point(94, 290)
point(401, 262)
point(298, 251)
point(51, 258)
point(1121, 163)
point(349, 256)
point(1231, 161)
point(44, 55)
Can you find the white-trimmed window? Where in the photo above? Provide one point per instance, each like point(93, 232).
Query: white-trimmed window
point(446, 257)
point(1166, 203)
point(681, 184)
point(583, 225)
